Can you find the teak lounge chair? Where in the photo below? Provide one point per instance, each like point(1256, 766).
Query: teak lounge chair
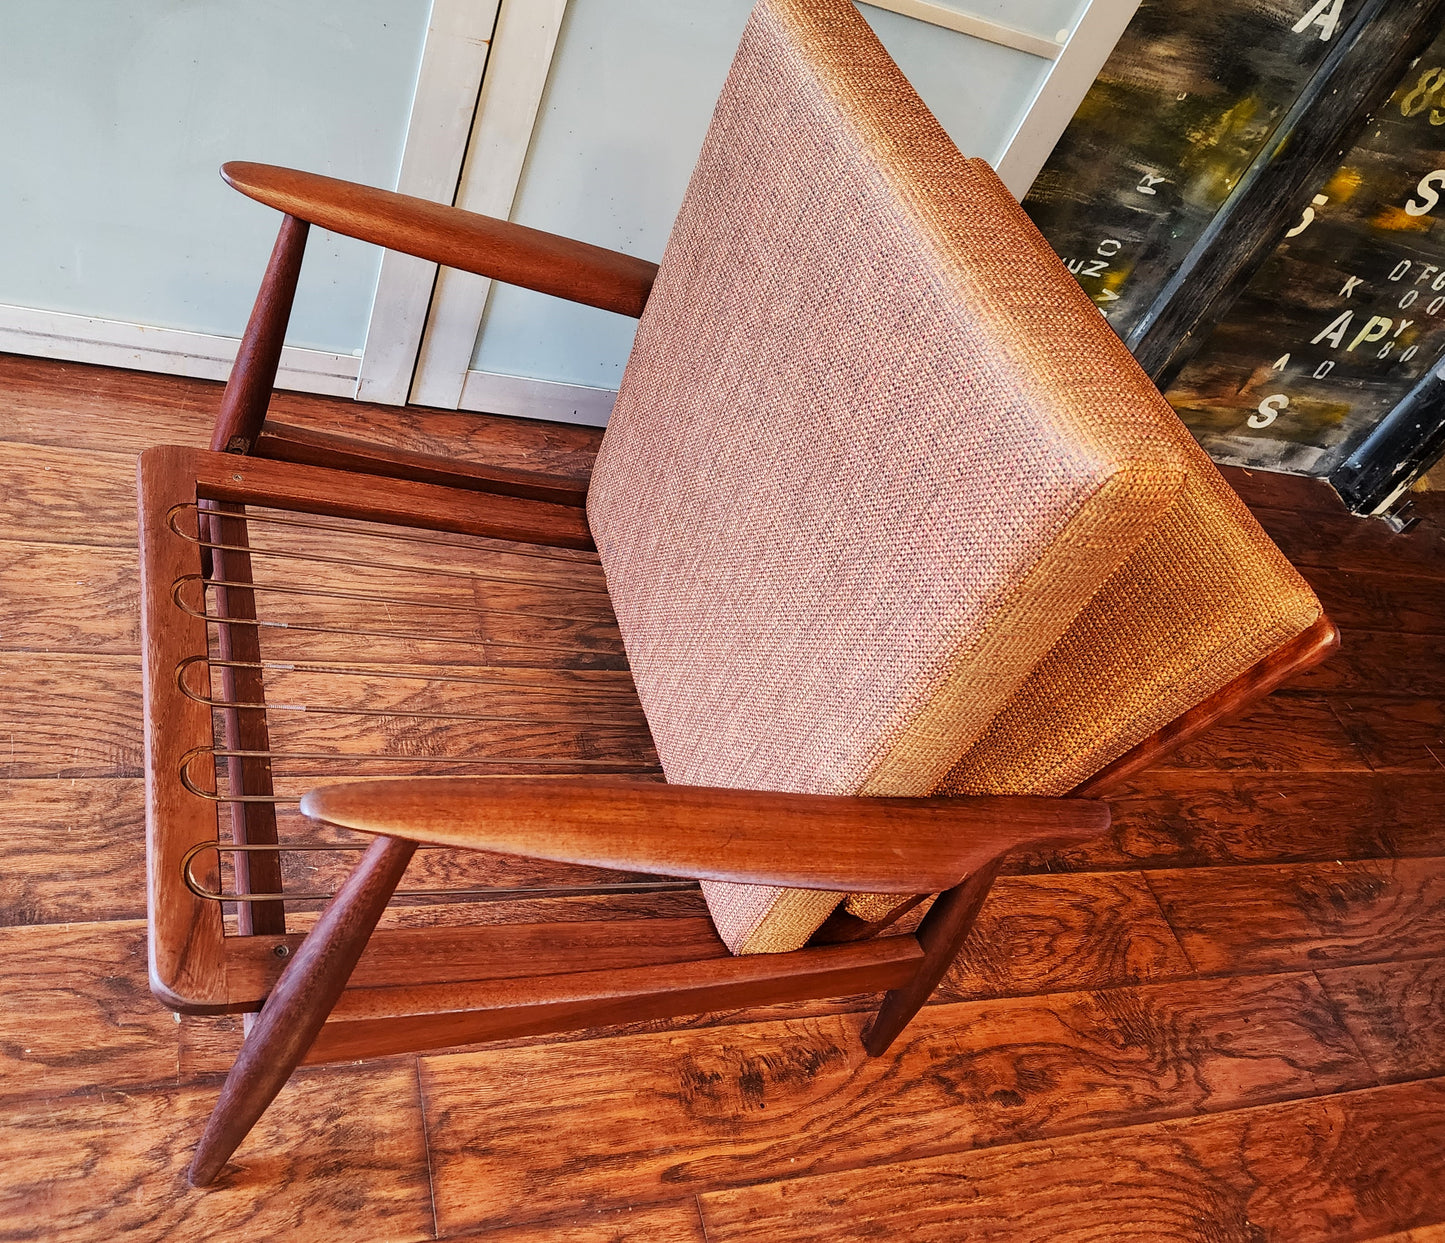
point(910, 560)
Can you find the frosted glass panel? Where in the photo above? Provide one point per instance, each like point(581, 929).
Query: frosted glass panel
point(629, 98)
point(628, 101)
point(977, 90)
point(118, 116)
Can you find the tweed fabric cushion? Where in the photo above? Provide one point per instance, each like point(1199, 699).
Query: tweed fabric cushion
point(873, 452)
point(1199, 602)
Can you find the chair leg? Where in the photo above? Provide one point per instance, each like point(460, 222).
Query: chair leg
point(941, 934)
point(299, 1004)
point(248, 391)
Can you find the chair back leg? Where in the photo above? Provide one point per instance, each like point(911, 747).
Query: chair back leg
point(942, 934)
point(300, 1003)
point(248, 391)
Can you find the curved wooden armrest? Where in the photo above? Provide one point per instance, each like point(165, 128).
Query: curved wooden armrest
point(448, 235)
point(806, 841)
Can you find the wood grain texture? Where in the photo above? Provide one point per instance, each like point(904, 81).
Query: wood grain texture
point(1066, 932)
point(1397, 603)
point(1396, 1013)
point(1364, 1163)
point(66, 495)
point(288, 443)
point(941, 934)
point(1380, 662)
point(298, 1004)
point(69, 715)
point(1394, 733)
point(637, 1121)
point(367, 1022)
point(446, 955)
point(1296, 785)
point(382, 555)
point(1042, 933)
point(77, 1012)
point(253, 375)
point(314, 490)
point(1421, 1234)
point(458, 239)
point(1292, 915)
point(1189, 818)
point(77, 406)
point(81, 408)
point(1356, 545)
point(1272, 490)
point(1284, 733)
point(340, 1156)
point(540, 448)
point(431, 868)
point(68, 598)
point(209, 1042)
point(672, 1223)
point(72, 851)
point(187, 969)
point(815, 841)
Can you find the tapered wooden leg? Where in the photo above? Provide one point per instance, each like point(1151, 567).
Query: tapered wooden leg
point(248, 392)
point(941, 934)
point(298, 1005)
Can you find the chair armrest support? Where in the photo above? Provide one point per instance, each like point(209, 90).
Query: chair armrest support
point(805, 841)
point(448, 235)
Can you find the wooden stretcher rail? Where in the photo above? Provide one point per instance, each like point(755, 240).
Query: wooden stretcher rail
point(378, 1022)
point(338, 494)
point(284, 443)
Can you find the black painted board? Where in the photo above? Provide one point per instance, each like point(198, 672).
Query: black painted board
point(1345, 317)
point(1401, 448)
point(1186, 101)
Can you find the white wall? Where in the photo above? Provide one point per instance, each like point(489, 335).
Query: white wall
point(118, 114)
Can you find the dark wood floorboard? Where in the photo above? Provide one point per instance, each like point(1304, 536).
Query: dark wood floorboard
point(1221, 1021)
point(1308, 1171)
point(1370, 600)
point(1393, 1011)
point(1272, 917)
point(1311, 541)
point(1286, 733)
point(1395, 733)
point(641, 1119)
point(347, 1146)
point(1207, 818)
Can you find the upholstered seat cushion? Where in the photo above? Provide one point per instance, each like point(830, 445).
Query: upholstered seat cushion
point(1204, 598)
point(873, 454)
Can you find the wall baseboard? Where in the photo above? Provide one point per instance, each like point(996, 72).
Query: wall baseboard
point(490, 393)
point(172, 351)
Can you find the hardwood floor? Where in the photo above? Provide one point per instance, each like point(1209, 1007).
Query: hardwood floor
point(1224, 1021)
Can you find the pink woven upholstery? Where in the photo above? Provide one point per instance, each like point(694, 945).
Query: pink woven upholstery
point(873, 454)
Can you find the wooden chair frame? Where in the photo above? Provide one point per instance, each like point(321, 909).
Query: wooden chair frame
point(347, 990)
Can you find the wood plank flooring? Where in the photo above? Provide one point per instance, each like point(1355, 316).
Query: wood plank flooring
point(1223, 1021)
